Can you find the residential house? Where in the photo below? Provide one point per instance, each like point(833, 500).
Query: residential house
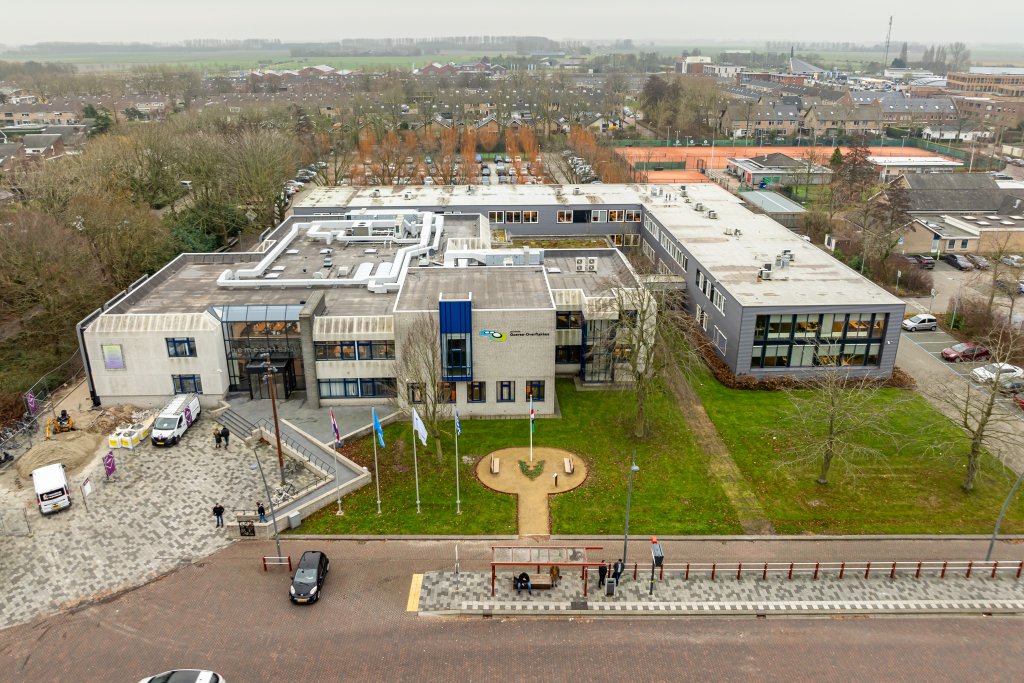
point(73, 135)
point(748, 119)
point(932, 194)
point(906, 112)
point(968, 132)
point(10, 154)
point(56, 112)
point(42, 146)
point(777, 170)
point(832, 120)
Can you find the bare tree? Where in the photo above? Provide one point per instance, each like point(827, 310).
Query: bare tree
point(421, 385)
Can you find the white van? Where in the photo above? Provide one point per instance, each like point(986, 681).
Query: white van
point(52, 491)
point(175, 418)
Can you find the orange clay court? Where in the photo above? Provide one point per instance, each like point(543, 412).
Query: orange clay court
point(700, 157)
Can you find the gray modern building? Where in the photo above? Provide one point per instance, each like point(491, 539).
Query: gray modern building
point(330, 297)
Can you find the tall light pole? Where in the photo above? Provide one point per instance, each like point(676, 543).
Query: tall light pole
point(629, 497)
point(272, 383)
point(270, 501)
point(1002, 512)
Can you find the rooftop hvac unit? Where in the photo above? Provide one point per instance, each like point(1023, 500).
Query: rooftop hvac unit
point(558, 192)
point(764, 274)
point(424, 261)
point(592, 264)
point(508, 261)
point(407, 195)
point(575, 190)
point(698, 206)
point(682, 190)
point(712, 214)
point(737, 232)
point(581, 264)
point(686, 199)
point(375, 193)
point(728, 231)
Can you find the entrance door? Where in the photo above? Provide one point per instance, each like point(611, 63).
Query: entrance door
point(283, 376)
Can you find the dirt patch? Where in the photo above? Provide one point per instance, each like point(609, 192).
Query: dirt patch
point(111, 418)
point(74, 449)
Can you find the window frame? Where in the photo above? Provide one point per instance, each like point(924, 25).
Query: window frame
point(533, 388)
point(506, 391)
point(496, 217)
point(178, 383)
point(173, 344)
point(476, 392)
point(564, 216)
point(414, 392)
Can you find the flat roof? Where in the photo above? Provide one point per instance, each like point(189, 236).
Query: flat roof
point(915, 162)
point(772, 202)
point(493, 287)
point(611, 271)
point(428, 196)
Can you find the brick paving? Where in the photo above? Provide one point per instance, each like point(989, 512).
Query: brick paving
point(154, 517)
point(227, 614)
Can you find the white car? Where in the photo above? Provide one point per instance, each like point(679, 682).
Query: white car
point(185, 676)
point(989, 373)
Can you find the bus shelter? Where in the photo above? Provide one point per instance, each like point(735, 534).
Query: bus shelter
point(542, 556)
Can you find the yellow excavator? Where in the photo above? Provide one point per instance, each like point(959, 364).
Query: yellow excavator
point(61, 423)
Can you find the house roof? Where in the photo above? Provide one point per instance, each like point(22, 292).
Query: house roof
point(950, 181)
point(39, 140)
point(799, 66)
point(898, 103)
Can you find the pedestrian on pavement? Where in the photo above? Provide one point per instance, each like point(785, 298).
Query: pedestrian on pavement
point(225, 434)
point(524, 582)
point(602, 572)
point(617, 570)
point(261, 511)
point(218, 513)
point(216, 436)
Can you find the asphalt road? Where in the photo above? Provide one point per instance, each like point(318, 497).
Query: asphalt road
point(226, 613)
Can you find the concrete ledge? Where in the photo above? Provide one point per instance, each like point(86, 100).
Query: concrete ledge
point(642, 540)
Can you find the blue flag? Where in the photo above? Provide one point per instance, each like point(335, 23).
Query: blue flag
point(458, 426)
point(377, 428)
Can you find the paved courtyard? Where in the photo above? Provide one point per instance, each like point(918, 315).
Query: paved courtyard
point(153, 517)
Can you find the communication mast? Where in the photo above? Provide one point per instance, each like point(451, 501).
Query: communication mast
point(885, 60)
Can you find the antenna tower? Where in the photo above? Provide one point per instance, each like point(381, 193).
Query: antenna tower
point(885, 60)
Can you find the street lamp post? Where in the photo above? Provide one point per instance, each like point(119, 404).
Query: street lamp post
point(629, 497)
point(1002, 512)
point(272, 383)
point(270, 501)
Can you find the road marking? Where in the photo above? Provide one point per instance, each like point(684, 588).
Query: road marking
point(414, 593)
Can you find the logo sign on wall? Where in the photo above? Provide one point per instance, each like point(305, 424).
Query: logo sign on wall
point(493, 335)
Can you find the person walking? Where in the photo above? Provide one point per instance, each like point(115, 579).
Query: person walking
point(261, 511)
point(225, 434)
point(602, 572)
point(617, 570)
point(218, 514)
point(216, 436)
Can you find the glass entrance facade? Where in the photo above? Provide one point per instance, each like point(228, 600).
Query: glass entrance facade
point(250, 333)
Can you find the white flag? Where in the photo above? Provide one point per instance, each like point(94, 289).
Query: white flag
point(419, 427)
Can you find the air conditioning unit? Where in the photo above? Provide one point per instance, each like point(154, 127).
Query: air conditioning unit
point(592, 264)
point(508, 261)
point(558, 192)
point(737, 232)
point(686, 199)
point(375, 193)
point(682, 190)
point(698, 206)
point(728, 231)
point(581, 264)
point(764, 274)
point(575, 190)
point(407, 195)
point(712, 214)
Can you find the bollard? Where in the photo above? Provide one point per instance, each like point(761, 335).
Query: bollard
point(867, 570)
point(764, 576)
point(995, 568)
point(661, 574)
point(892, 572)
point(687, 577)
point(943, 574)
point(791, 570)
point(713, 566)
point(634, 570)
point(970, 566)
point(917, 575)
point(1020, 567)
point(842, 569)
point(817, 565)
point(739, 570)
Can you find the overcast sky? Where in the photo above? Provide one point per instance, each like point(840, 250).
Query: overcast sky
point(667, 21)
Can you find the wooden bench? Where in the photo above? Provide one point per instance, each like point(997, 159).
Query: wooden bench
point(568, 465)
point(544, 580)
point(495, 465)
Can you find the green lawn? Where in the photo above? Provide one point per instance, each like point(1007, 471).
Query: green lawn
point(672, 494)
point(913, 491)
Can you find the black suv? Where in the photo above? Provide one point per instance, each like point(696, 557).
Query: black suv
point(308, 582)
point(959, 262)
point(926, 262)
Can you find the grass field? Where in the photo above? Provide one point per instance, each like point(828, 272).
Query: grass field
point(912, 491)
point(672, 494)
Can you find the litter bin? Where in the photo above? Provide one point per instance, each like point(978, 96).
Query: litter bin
point(609, 586)
point(294, 520)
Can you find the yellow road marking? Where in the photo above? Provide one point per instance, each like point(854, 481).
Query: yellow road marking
point(414, 593)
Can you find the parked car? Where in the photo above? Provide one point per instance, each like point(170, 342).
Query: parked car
point(957, 261)
point(980, 262)
point(921, 321)
point(964, 351)
point(994, 371)
point(926, 262)
point(185, 676)
point(1012, 260)
point(1019, 400)
point(1010, 288)
point(1010, 385)
point(308, 582)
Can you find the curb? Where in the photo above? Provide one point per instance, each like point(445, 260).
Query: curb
point(642, 539)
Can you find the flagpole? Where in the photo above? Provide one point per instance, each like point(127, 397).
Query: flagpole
point(531, 429)
point(376, 472)
point(458, 501)
point(416, 470)
point(337, 465)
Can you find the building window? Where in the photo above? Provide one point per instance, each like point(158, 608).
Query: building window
point(456, 357)
point(506, 391)
point(514, 216)
point(187, 384)
point(631, 239)
point(376, 350)
point(720, 341)
point(702, 317)
point(446, 392)
point(567, 354)
point(496, 216)
point(339, 388)
point(531, 217)
point(963, 244)
point(616, 216)
point(476, 392)
point(415, 392)
point(377, 387)
point(951, 244)
point(535, 390)
point(335, 350)
point(632, 216)
point(564, 217)
point(599, 216)
point(568, 320)
point(181, 347)
point(718, 299)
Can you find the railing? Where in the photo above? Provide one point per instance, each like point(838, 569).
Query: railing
point(860, 569)
point(16, 439)
point(311, 457)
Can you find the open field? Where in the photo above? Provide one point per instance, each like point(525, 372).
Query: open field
point(673, 493)
point(912, 490)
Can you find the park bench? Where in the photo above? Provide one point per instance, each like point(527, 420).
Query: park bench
point(542, 580)
point(495, 465)
point(568, 465)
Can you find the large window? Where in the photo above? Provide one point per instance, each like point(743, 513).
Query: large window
point(535, 390)
point(496, 216)
point(616, 216)
point(339, 388)
point(376, 350)
point(815, 339)
point(377, 387)
point(564, 217)
point(181, 347)
point(531, 217)
point(506, 391)
point(415, 392)
point(632, 216)
point(476, 392)
point(568, 354)
point(187, 384)
point(446, 392)
point(568, 320)
point(599, 216)
point(335, 350)
point(456, 356)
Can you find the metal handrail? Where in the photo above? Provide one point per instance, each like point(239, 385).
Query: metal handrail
point(297, 447)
